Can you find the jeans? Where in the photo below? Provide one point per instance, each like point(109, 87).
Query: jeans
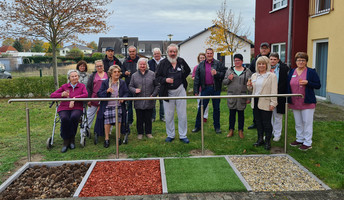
point(161, 111)
point(209, 91)
point(241, 119)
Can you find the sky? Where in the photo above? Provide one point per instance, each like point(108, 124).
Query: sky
point(155, 19)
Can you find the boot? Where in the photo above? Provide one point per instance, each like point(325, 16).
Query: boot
point(231, 132)
point(268, 141)
point(65, 146)
point(72, 143)
point(260, 140)
point(241, 134)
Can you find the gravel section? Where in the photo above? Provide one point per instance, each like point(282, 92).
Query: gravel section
point(274, 173)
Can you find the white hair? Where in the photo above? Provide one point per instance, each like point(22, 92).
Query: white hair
point(71, 71)
point(142, 59)
point(156, 50)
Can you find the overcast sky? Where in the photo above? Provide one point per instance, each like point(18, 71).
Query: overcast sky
point(155, 19)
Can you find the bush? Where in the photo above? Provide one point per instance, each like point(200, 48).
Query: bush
point(25, 86)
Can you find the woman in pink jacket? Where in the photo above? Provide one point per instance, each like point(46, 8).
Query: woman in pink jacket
point(70, 111)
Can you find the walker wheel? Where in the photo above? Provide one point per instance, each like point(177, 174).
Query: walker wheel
point(49, 145)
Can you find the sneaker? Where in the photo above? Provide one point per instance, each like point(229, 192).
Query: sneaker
point(195, 130)
point(253, 126)
point(185, 140)
point(149, 135)
point(168, 139)
point(205, 120)
point(295, 143)
point(153, 120)
point(304, 147)
point(139, 136)
point(276, 139)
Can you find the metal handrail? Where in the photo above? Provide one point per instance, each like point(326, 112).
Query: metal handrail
point(151, 98)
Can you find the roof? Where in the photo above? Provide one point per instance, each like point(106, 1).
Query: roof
point(206, 29)
point(77, 46)
point(7, 48)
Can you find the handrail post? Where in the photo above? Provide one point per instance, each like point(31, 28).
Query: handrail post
point(202, 123)
point(28, 140)
point(117, 129)
point(286, 125)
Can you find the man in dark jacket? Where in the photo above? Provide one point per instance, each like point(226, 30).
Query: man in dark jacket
point(153, 63)
point(110, 59)
point(281, 70)
point(264, 50)
point(171, 74)
point(209, 76)
point(129, 67)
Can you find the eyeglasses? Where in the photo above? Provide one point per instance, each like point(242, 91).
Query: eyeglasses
point(301, 60)
point(99, 66)
point(116, 72)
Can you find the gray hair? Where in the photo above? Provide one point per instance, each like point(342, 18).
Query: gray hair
point(131, 47)
point(142, 59)
point(172, 45)
point(98, 61)
point(156, 49)
point(71, 71)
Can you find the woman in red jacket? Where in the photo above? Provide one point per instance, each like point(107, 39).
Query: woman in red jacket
point(70, 111)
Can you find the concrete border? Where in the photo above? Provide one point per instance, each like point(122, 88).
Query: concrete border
point(242, 179)
point(82, 183)
point(163, 176)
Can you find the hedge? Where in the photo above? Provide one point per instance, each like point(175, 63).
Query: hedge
point(48, 59)
point(29, 86)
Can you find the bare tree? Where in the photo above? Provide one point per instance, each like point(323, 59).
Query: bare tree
point(53, 20)
point(227, 31)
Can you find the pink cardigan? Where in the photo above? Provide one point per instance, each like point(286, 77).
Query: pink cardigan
point(78, 92)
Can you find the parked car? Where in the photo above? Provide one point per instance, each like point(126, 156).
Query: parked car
point(4, 74)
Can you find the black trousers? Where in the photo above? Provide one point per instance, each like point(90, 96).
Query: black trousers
point(241, 119)
point(144, 121)
point(263, 121)
point(69, 123)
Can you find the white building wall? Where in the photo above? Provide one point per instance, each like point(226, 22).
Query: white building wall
point(190, 50)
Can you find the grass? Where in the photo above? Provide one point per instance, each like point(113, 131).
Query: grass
point(201, 175)
point(325, 160)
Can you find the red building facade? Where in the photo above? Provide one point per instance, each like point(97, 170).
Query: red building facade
point(272, 17)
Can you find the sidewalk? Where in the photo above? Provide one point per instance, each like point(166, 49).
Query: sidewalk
point(307, 195)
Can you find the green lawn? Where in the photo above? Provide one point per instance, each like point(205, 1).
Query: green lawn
point(325, 160)
point(201, 175)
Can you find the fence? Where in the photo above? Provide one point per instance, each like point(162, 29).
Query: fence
point(28, 137)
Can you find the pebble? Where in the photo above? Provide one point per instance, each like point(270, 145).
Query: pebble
point(274, 173)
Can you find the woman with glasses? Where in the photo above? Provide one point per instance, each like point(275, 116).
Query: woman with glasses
point(93, 85)
point(113, 87)
point(303, 80)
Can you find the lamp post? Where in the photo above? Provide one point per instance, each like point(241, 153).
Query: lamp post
point(170, 37)
point(125, 43)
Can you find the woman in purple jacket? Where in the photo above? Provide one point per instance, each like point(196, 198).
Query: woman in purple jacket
point(70, 111)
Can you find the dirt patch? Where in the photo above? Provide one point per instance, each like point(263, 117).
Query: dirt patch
point(41, 182)
point(118, 178)
point(121, 156)
point(20, 163)
point(325, 111)
point(198, 152)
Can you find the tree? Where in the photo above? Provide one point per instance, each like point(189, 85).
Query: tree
point(46, 47)
point(75, 53)
point(17, 45)
point(93, 45)
point(53, 20)
point(226, 31)
point(37, 46)
point(27, 44)
point(8, 42)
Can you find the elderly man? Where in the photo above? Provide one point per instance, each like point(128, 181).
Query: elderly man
point(209, 75)
point(110, 59)
point(264, 50)
point(171, 74)
point(153, 63)
point(129, 67)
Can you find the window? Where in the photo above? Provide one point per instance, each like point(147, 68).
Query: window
point(142, 48)
point(123, 50)
point(323, 6)
point(280, 49)
point(279, 4)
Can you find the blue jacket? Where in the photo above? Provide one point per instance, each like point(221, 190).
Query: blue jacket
point(123, 92)
point(313, 83)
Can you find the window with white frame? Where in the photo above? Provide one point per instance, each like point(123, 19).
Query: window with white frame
point(123, 50)
point(323, 6)
point(280, 49)
point(142, 48)
point(279, 4)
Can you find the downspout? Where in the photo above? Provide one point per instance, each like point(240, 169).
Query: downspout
point(290, 27)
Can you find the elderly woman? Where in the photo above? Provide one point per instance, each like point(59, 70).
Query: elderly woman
point(93, 86)
point(70, 111)
point(263, 82)
point(82, 68)
point(236, 79)
point(112, 87)
point(303, 80)
point(143, 84)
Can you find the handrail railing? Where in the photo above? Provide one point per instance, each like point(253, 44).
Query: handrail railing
point(151, 98)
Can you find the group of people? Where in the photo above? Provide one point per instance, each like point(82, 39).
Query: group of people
point(167, 77)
